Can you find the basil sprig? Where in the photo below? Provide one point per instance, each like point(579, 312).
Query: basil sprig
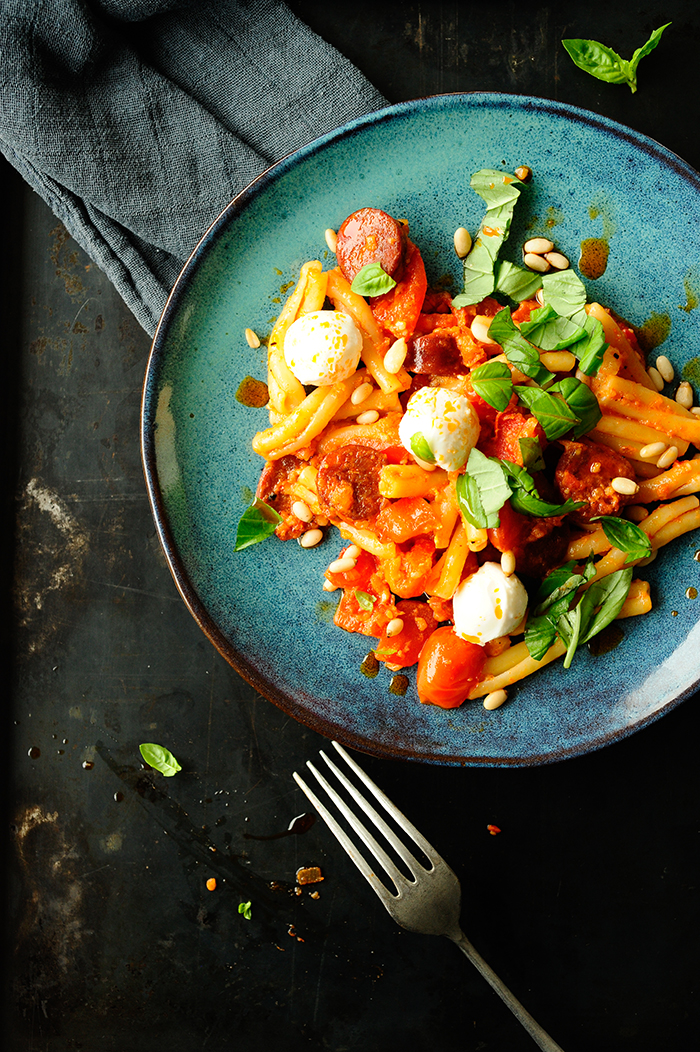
point(160, 758)
point(626, 536)
point(246, 908)
point(552, 413)
point(521, 354)
point(500, 191)
point(256, 523)
point(605, 64)
point(372, 280)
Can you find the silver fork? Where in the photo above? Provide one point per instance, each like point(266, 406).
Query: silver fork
point(430, 902)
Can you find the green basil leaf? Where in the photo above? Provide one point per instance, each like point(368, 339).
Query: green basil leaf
point(160, 758)
point(516, 282)
point(531, 453)
point(626, 536)
point(482, 490)
point(372, 280)
point(521, 354)
point(554, 580)
point(421, 448)
point(469, 502)
point(581, 400)
point(647, 48)
point(246, 908)
point(565, 293)
point(256, 523)
point(540, 633)
point(559, 601)
point(592, 347)
point(496, 189)
point(500, 191)
point(525, 497)
point(569, 628)
point(551, 412)
point(365, 600)
point(494, 384)
point(607, 595)
point(550, 331)
point(598, 60)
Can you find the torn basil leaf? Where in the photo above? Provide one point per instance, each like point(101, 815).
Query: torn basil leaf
point(551, 412)
point(521, 354)
point(531, 453)
point(626, 536)
point(592, 347)
point(372, 280)
point(365, 600)
point(500, 191)
point(421, 448)
point(581, 400)
point(160, 758)
point(525, 498)
point(565, 293)
point(516, 282)
point(494, 384)
point(256, 523)
point(550, 331)
point(482, 490)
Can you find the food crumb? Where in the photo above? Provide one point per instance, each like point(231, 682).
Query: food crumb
point(314, 895)
point(211, 884)
point(309, 875)
point(297, 890)
point(493, 830)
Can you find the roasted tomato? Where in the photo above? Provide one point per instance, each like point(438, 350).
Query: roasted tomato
point(366, 605)
point(404, 648)
point(448, 668)
point(398, 310)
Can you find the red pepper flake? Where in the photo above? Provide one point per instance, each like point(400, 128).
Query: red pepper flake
point(493, 830)
point(211, 884)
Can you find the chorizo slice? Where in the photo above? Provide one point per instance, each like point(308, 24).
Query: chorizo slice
point(436, 353)
point(585, 472)
point(371, 236)
point(348, 483)
point(274, 484)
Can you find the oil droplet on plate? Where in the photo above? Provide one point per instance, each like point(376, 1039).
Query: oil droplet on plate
point(370, 666)
point(252, 393)
point(88, 765)
point(654, 331)
point(34, 753)
point(118, 797)
point(691, 593)
point(607, 640)
point(398, 685)
point(594, 257)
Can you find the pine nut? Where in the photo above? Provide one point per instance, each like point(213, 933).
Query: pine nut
point(535, 262)
point(665, 368)
point(394, 627)
point(462, 241)
point(368, 418)
point(539, 296)
point(557, 260)
point(495, 699)
point(341, 565)
point(361, 393)
point(480, 329)
point(331, 239)
point(425, 464)
point(626, 487)
point(523, 172)
point(695, 410)
point(656, 378)
point(684, 395)
point(538, 245)
point(667, 458)
point(508, 563)
point(636, 512)
point(353, 551)
point(252, 338)
point(302, 511)
point(328, 586)
point(311, 538)
point(654, 449)
point(395, 356)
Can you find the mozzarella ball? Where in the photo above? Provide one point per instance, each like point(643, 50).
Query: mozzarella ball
point(322, 347)
point(488, 604)
point(446, 420)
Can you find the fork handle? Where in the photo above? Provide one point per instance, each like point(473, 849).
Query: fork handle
point(538, 1035)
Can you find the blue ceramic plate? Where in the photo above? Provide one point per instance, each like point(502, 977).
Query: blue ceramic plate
point(264, 608)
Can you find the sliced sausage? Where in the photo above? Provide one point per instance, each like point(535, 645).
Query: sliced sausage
point(436, 353)
point(348, 483)
point(585, 472)
point(273, 488)
point(371, 236)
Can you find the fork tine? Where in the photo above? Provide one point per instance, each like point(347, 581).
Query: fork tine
point(399, 847)
point(398, 816)
point(365, 869)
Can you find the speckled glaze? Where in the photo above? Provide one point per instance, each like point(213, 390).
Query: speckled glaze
point(264, 608)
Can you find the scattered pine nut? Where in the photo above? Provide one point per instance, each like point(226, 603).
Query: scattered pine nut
point(252, 338)
point(480, 329)
point(667, 458)
point(302, 511)
point(656, 378)
point(361, 393)
point(369, 417)
point(394, 627)
point(352, 552)
point(557, 260)
point(396, 356)
point(625, 486)
point(665, 368)
point(508, 563)
point(494, 700)
point(538, 245)
point(684, 395)
point(462, 242)
point(535, 262)
point(342, 565)
point(539, 296)
point(636, 512)
point(654, 449)
point(331, 239)
point(311, 538)
point(523, 172)
point(328, 586)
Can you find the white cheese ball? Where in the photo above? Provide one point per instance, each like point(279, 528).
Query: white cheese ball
point(322, 347)
point(488, 604)
point(446, 420)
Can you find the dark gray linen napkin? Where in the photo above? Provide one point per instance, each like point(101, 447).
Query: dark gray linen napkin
point(137, 121)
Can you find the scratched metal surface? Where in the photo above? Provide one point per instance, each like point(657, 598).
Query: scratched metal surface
point(586, 904)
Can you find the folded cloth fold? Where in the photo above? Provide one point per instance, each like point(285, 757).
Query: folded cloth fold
point(138, 121)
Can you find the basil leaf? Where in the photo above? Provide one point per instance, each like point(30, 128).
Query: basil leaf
point(646, 49)
point(531, 453)
point(365, 600)
point(540, 633)
point(565, 293)
point(592, 347)
point(551, 412)
point(554, 580)
point(569, 628)
point(581, 400)
point(626, 536)
point(160, 758)
point(608, 594)
point(494, 384)
point(500, 191)
point(527, 500)
point(256, 523)
point(421, 448)
point(496, 188)
point(246, 908)
point(598, 60)
point(482, 490)
point(516, 282)
point(372, 280)
point(521, 354)
point(469, 502)
point(550, 331)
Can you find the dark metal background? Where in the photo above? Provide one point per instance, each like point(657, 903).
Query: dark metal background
point(586, 904)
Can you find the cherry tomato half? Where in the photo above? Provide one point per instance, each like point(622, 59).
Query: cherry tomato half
point(418, 624)
point(448, 668)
